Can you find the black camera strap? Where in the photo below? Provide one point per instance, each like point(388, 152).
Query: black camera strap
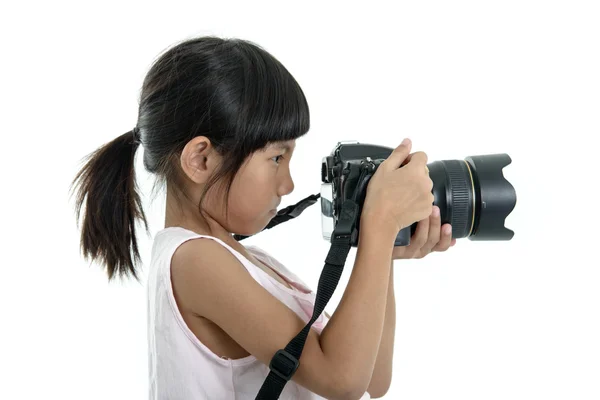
point(285, 214)
point(285, 362)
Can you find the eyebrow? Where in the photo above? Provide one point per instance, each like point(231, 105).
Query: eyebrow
point(282, 146)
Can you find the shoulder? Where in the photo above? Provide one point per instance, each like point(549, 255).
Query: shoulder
point(200, 251)
point(199, 268)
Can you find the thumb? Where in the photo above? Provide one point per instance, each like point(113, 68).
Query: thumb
point(399, 155)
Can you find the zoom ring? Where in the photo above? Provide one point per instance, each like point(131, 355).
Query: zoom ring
point(460, 191)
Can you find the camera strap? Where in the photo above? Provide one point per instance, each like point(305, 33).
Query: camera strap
point(285, 362)
point(285, 214)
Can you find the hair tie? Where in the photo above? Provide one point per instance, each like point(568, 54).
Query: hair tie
point(136, 135)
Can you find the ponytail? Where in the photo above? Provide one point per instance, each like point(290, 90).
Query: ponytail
point(107, 185)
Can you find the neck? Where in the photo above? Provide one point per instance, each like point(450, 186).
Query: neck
point(187, 216)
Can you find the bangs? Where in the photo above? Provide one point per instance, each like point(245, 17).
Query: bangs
point(270, 107)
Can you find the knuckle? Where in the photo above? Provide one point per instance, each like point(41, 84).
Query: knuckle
point(416, 158)
point(426, 183)
point(425, 190)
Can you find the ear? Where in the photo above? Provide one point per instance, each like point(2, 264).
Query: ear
point(199, 159)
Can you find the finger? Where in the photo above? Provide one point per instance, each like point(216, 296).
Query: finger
point(418, 160)
point(419, 239)
point(434, 230)
point(397, 157)
point(445, 239)
point(407, 160)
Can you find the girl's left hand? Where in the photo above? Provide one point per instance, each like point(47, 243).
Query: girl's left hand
point(429, 236)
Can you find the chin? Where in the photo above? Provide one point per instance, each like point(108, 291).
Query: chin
point(256, 229)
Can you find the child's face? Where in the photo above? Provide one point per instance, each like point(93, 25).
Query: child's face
point(258, 188)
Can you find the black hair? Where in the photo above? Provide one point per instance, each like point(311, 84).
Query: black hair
point(230, 90)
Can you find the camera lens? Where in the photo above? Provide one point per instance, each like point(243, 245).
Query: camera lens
point(473, 196)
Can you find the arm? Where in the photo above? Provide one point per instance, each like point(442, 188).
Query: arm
point(381, 378)
point(352, 336)
point(210, 282)
point(382, 373)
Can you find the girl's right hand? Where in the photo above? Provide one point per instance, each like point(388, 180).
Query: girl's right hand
point(399, 193)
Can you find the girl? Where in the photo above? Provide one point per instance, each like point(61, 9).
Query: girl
point(218, 119)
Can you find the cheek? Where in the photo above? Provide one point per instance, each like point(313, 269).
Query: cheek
point(249, 197)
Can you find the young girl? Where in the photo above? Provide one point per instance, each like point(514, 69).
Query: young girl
point(218, 119)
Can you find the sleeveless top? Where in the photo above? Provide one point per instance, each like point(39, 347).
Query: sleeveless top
point(181, 367)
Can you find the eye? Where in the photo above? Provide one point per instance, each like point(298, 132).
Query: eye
point(281, 157)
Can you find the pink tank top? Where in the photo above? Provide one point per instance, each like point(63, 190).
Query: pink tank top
point(181, 367)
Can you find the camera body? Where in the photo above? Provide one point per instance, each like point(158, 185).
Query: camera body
point(345, 174)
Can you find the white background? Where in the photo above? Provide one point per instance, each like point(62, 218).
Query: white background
point(485, 320)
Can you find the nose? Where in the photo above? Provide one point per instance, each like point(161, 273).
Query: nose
point(287, 186)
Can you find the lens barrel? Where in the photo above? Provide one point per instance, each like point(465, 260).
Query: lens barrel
point(473, 196)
